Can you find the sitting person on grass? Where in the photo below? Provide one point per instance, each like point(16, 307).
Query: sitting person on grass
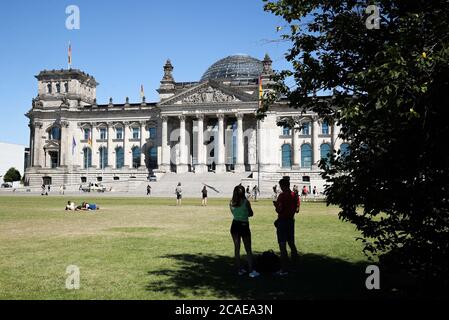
point(70, 206)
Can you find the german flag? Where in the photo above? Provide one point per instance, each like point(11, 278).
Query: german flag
point(260, 92)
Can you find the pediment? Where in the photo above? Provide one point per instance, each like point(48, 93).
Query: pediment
point(51, 145)
point(206, 93)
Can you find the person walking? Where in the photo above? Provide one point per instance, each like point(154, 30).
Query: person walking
point(315, 193)
point(241, 211)
point(178, 192)
point(204, 196)
point(148, 190)
point(304, 193)
point(286, 205)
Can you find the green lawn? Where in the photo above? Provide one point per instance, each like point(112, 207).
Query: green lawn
point(144, 248)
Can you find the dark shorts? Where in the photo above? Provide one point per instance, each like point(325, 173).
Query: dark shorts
point(285, 230)
point(204, 196)
point(178, 196)
point(240, 228)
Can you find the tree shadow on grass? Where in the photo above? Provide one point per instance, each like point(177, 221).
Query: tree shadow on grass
point(313, 277)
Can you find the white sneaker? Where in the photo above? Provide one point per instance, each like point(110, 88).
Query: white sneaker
point(254, 274)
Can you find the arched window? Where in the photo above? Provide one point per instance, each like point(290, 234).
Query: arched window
point(119, 157)
point(286, 156)
point(325, 151)
point(58, 88)
point(87, 158)
point(136, 157)
point(152, 163)
point(103, 157)
point(306, 156)
point(55, 133)
point(344, 149)
point(66, 87)
point(49, 88)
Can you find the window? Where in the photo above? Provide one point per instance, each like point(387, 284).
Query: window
point(116, 178)
point(49, 88)
point(87, 158)
point(103, 134)
point(55, 133)
point(152, 163)
point(99, 179)
point(344, 149)
point(58, 88)
point(152, 133)
point(86, 133)
point(325, 128)
point(306, 128)
point(306, 179)
point(285, 131)
point(46, 181)
point(136, 157)
point(66, 87)
point(83, 179)
point(325, 151)
point(103, 157)
point(119, 133)
point(306, 156)
point(54, 159)
point(136, 132)
point(286, 156)
point(119, 157)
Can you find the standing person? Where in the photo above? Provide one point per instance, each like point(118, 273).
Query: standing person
point(61, 190)
point(255, 191)
point(248, 193)
point(44, 192)
point(241, 210)
point(148, 190)
point(204, 194)
point(48, 188)
point(315, 193)
point(178, 192)
point(304, 193)
point(287, 204)
point(275, 193)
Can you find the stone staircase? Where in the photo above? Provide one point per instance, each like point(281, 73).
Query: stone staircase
point(220, 185)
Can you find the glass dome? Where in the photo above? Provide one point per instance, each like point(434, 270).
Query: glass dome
point(235, 67)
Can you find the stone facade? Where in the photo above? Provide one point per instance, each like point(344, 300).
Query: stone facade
point(198, 127)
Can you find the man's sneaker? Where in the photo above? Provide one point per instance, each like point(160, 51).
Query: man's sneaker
point(254, 274)
point(242, 272)
point(281, 273)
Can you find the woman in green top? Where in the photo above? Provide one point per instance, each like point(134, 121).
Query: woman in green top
point(241, 210)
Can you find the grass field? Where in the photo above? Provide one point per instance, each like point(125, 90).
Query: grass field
point(144, 248)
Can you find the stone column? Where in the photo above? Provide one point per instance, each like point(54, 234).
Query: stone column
point(64, 154)
point(295, 147)
point(182, 166)
point(126, 147)
point(221, 166)
point(142, 144)
point(239, 165)
point(201, 166)
point(37, 160)
point(315, 143)
point(165, 149)
point(94, 147)
point(111, 160)
point(335, 140)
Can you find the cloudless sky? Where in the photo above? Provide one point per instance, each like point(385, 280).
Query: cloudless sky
point(123, 44)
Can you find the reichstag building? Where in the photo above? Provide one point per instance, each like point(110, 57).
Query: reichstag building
point(202, 126)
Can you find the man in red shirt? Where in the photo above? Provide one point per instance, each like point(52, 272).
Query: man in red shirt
point(287, 204)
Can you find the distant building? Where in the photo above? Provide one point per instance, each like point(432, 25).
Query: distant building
point(201, 126)
point(13, 155)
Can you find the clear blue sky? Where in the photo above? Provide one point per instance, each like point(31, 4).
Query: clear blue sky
point(123, 44)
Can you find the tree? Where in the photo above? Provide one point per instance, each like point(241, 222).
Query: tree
point(12, 175)
point(389, 90)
